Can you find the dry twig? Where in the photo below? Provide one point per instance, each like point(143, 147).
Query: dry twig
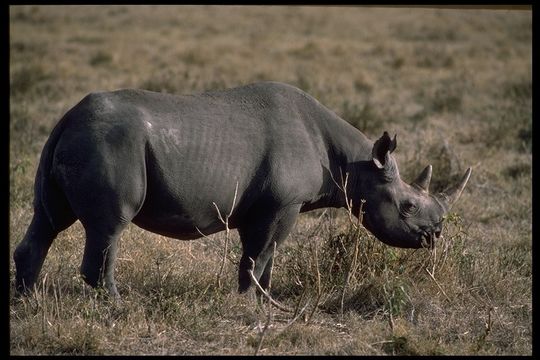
point(227, 232)
point(265, 293)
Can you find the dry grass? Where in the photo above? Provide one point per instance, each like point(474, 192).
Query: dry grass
point(456, 87)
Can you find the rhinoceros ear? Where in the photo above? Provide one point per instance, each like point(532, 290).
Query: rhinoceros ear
point(382, 149)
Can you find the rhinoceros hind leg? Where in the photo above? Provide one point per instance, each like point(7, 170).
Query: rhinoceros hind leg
point(258, 235)
point(105, 199)
point(97, 268)
point(31, 252)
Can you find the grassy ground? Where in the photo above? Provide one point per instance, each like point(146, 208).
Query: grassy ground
point(455, 85)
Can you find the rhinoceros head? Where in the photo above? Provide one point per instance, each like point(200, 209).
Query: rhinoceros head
point(401, 214)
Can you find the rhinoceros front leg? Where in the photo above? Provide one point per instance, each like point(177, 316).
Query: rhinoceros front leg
point(258, 234)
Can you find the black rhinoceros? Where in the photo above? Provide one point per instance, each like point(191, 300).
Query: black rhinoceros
point(161, 161)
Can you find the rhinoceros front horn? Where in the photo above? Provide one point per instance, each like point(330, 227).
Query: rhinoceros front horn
point(423, 180)
point(450, 195)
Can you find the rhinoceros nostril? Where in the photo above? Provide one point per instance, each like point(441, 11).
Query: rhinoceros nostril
point(438, 234)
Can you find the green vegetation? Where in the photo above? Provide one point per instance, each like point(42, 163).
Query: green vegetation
point(456, 87)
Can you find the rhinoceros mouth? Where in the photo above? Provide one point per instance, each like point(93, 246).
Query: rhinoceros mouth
point(427, 239)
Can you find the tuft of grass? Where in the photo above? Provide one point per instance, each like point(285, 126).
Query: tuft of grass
point(308, 51)
point(364, 117)
point(100, 58)
point(399, 345)
point(86, 40)
point(194, 58)
point(24, 79)
point(433, 57)
point(517, 170)
point(427, 33)
point(518, 90)
point(166, 85)
point(445, 97)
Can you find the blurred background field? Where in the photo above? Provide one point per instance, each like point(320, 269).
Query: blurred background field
point(455, 86)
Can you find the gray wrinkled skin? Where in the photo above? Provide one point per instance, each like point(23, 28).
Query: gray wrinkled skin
point(161, 161)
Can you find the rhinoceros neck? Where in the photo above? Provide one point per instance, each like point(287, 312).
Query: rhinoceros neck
point(355, 169)
point(345, 148)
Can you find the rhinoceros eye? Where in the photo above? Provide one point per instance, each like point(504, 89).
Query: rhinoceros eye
point(407, 209)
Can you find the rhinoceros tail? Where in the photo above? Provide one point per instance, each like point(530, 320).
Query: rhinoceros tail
point(49, 199)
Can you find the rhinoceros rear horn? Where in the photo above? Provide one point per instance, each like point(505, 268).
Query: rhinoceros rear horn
point(423, 180)
point(453, 193)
